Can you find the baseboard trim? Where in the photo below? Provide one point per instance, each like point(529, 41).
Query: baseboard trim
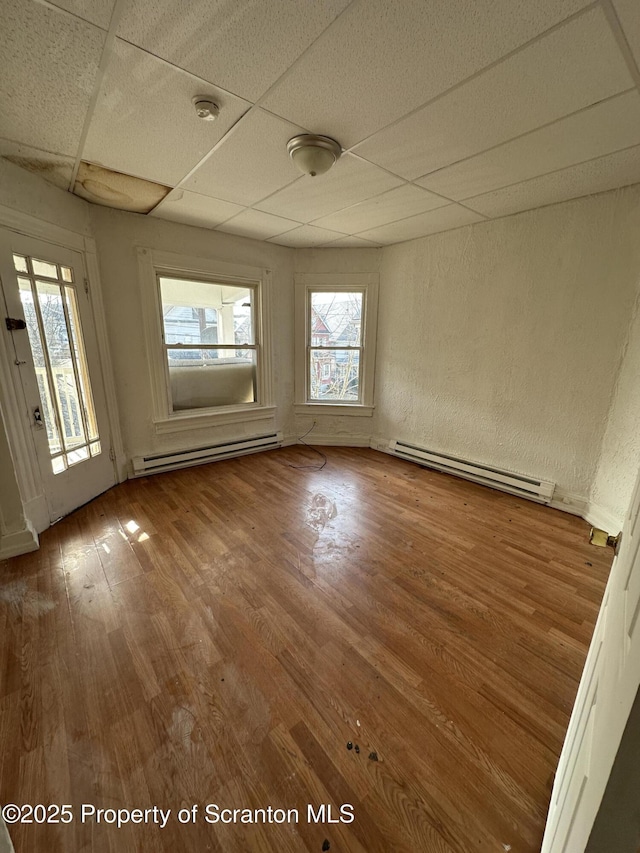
point(567, 502)
point(36, 512)
point(600, 517)
point(21, 542)
point(378, 442)
point(329, 440)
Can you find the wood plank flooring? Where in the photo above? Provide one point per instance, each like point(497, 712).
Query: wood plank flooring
point(219, 635)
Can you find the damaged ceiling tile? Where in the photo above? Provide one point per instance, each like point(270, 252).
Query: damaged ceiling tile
point(115, 189)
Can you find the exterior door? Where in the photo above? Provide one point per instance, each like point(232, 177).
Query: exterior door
point(47, 297)
point(606, 693)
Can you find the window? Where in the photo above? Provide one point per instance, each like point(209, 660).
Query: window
point(209, 342)
point(205, 328)
point(336, 320)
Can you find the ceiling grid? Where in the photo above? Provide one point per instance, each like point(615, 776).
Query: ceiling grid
point(449, 113)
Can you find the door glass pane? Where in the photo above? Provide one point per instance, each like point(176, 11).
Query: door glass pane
point(39, 362)
point(64, 381)
point(336, 319)
point(78, 455)
point(334, 375)
point(55, 335)
point(81, 362)
point(44, 268)
point(58, 464)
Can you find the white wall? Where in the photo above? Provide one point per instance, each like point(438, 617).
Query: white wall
point(501, 341)
point(118, 235)
point(620, 453)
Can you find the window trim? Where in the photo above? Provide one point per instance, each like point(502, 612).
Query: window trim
point(307, 283)
point(151, 265)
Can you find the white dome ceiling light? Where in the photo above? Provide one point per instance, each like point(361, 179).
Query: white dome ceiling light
point(313, 155)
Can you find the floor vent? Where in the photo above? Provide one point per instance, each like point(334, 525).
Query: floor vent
point(144, 465)
point(516, 484)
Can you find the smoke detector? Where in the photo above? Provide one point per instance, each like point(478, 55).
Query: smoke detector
point(206, 109)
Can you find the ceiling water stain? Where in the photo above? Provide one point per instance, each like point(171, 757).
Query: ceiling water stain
point(56, 171)
point(115, 189)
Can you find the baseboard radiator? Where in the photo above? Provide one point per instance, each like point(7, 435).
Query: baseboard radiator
point(145, 465)
point(506, 481)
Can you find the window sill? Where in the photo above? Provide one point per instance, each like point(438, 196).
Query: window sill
point(352, 410)
point(209, 418)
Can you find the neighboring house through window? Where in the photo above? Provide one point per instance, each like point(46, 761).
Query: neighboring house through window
point(335, 350)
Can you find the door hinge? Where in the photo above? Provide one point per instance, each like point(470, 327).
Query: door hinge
point(86, 286)
point(112, 454)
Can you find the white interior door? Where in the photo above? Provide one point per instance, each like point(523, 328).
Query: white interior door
point(606, 693)
point(56, 355)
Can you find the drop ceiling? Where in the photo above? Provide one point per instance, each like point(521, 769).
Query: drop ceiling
point(449, 112)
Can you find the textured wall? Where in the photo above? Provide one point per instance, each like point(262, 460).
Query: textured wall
point(620, 456)
point(118, 235)
point(501, 341)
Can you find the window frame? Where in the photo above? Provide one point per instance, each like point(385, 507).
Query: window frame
point(153, 265)
point(307, 284)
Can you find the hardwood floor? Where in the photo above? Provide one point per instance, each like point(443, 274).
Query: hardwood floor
point(219, 635)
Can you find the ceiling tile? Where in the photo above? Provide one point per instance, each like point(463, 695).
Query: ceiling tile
point(351, 180)
point(194, 209)
point(54, 168)
point(97, 12)
point(629, 16)
point(251, 163)
point(594, 132)
point(573, 67)
point(306, 235)
point(259, 225)
point(442, 219)
point(380, 59)
point(396, 204)
point(605, 173)
point(144, 122)
point(351, 242)
point(242, 46)
point(50, 61)
point(100, 185)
